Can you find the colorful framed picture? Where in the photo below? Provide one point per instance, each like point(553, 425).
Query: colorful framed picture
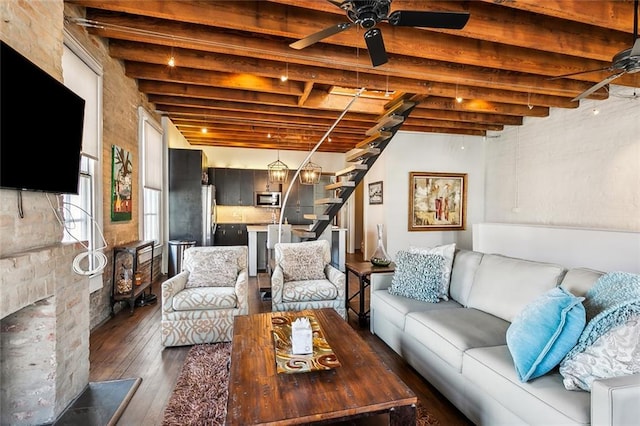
point(437, 201)
point(375, 193)
point(121, 184)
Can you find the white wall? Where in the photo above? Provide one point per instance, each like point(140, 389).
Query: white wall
point(420, 152)
point(572, 168)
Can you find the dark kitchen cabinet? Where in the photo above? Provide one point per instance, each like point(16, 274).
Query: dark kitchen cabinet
point(185, 194)
point(234, 187)
point(231, 234)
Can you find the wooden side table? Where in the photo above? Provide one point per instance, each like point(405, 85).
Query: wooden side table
point(363, 271)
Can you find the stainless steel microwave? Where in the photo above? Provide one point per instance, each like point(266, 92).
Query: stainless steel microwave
point(268, 199)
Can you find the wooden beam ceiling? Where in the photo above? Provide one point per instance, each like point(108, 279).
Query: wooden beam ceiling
point(230, 57)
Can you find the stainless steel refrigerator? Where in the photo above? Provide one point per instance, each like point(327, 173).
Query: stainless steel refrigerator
point(209, 222)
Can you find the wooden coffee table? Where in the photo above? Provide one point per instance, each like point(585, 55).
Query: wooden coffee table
point(361, 386)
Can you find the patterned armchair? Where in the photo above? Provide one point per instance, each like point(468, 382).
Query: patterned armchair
point(199, 304)
point(304, 279)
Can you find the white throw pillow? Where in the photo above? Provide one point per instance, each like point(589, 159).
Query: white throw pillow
point(447, 251)
point(613, 354)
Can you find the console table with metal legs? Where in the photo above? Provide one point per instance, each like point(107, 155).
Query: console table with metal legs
point(363, 271)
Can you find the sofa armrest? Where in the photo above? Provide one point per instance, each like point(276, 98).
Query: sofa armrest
point(171, 287)
point(242, 291)
point(615, 401)
point(381, 280)
point(337, 278)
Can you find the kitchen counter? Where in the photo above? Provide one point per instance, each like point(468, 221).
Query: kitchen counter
point(257, 245)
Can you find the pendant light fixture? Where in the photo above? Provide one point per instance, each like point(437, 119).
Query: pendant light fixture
point(278, 171)
point(310, 173)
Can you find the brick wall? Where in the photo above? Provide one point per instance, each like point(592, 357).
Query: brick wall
point(36, 279)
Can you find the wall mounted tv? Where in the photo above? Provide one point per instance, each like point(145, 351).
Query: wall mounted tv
point(41, 124)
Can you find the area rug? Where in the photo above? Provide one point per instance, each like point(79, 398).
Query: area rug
point(100, 404)
point(200, 395)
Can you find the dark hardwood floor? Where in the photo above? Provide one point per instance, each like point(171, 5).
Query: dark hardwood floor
point(129, 346)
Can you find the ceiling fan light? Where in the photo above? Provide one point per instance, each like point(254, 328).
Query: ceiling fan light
point(278, 172)
point(310, 174)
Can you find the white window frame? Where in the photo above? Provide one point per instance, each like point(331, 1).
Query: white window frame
point(91, 148)
point(144, 119)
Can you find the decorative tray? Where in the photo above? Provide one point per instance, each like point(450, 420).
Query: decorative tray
point(322, 357)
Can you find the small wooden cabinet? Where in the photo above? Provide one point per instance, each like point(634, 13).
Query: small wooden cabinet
point(132, 274)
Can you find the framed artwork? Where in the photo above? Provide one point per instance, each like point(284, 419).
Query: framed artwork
point(375, 193)
point(437, 201)
point(121, 179)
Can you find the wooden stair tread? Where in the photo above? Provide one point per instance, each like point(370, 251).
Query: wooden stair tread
point(361, 154)
point(386, 122)
point(327, 201)
point(375, 139)
point(341, 184)
point(352, 168)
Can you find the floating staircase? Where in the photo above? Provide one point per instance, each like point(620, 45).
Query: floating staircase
point(360, 160)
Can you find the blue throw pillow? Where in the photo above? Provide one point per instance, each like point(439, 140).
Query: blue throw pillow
point(417, 276)
point(544, 332)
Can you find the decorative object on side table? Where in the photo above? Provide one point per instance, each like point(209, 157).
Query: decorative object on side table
point(380, 256)
point(437, 201)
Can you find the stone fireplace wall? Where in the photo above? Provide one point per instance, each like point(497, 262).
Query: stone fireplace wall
point(44, 313)
point(44, 305)
point(44, 334)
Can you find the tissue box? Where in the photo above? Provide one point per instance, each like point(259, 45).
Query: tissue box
point(301, 337)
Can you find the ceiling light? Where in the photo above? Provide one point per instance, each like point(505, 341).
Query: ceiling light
point(171, 62)
point(283, 78)
point(596, 111)
point(204, 130)
point(459, 99)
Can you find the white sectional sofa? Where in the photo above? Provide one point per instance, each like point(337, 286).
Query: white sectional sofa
point(460, 346)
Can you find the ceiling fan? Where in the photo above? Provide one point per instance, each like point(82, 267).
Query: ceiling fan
point(624, 62)
point(368, 13)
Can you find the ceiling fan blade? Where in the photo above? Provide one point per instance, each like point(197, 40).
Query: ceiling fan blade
point(579, 72)
point(375, 45)
point(320, 35)
point(416, 18)
point(598, 86)
point(635, 51)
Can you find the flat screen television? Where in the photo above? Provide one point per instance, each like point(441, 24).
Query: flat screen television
point(41, 124)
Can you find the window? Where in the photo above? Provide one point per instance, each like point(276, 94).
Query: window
point(152, 162)
point(83, 212)
point(79, 208)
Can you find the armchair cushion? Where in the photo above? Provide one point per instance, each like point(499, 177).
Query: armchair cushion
point(207, 269)
point(302, 261)
point(308, 291)
point(205, 298)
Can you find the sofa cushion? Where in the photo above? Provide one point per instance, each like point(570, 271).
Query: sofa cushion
point(211, 268)
point(580, 280)
point(544, 332)
point(503, 286)
point(417, 276)
point(447, 252)
point(450, 332)
point(465, 264)
point(395, 308)
point(308, 291)
point(542, 401)
point(205, 298)
point(613, 354)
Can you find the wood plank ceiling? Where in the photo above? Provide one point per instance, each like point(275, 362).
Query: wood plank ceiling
point(230, 57)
